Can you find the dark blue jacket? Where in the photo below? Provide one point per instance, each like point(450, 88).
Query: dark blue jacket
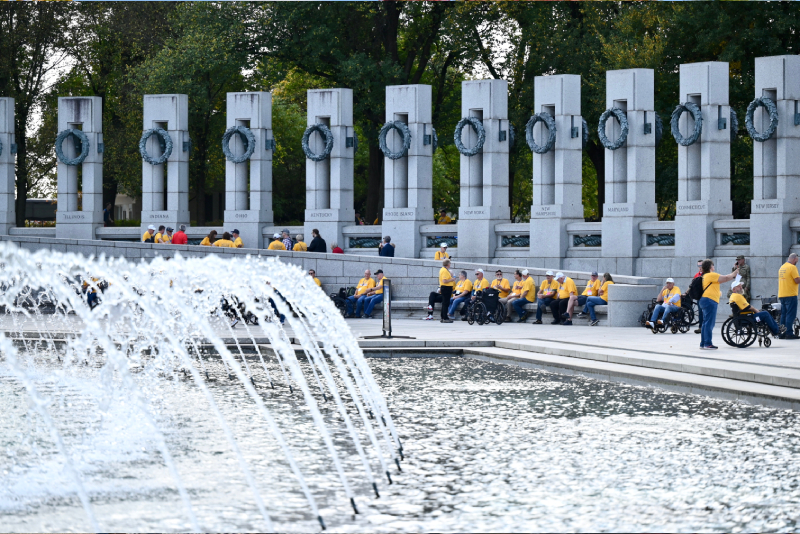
point(387, 250)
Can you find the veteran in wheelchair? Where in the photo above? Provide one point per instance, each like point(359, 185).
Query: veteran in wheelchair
point(748, 324)
point(667, 312)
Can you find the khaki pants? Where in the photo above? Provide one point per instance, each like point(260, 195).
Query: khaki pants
point(508, 302)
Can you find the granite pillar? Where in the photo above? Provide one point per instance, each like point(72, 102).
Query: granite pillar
point(7, 160)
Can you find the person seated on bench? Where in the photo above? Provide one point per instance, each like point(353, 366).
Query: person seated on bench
point(669, 302)
point(514, 293)
point(601, 299)
point(460, 294)
point(592, 289)
point(566, 289)
point(546, 295)
point(526, 296)
point(374, 295)
point(357, 301)
point(745, 308)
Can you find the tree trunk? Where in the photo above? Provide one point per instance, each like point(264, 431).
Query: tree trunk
point(374, 189)
point(22, 167)
point(597, 154)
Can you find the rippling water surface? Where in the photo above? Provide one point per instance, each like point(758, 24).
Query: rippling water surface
point(488, 448)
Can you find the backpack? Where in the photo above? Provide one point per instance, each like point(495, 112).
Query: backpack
point(696, 288)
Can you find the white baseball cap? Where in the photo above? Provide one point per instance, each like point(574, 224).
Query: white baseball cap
point(525, 272)
point(276, 235)
point(151, 227)
point(559, 275)
point(478, 271)
point(670, 281)
point(549, 273)
point(443, 245)
point(736, 283)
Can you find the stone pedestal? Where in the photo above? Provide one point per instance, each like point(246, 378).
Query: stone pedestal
point(409, 180)
point(248, 185)
point(484, 176)
point(626, 302)
point(329, 183)
point(170, 208)
point(704, 168)
point(7, 159)
point(557, 175)
point(630, 169)
point(776, 168)
point(85, 114)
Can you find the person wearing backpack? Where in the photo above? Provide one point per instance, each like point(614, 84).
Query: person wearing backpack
point(709, 295)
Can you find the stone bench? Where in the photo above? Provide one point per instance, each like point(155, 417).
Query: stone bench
point(417, 308)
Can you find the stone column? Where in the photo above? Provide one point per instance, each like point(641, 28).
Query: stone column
point(408, 180)
point(776, 168)
point(85, 114)
point(171, 113)
point(630, 169)
point(484, 176)
point(704, 168)
point(250, 213)
point(329, 183)
point(7, 159)
point(557, 174)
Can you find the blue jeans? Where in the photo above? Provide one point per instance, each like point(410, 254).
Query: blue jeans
point(451, 311)
point(668, 310)
point(709, 309)
point(591, 302)
point(788, 312)
point(541, 304)
point(353, 302)
point(519, 307)
point(767, 318)
point(372, 301)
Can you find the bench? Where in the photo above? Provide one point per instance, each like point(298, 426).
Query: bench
point(417, 308)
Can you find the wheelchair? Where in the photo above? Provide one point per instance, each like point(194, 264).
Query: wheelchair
point(486, 308)
point(773, 306)
point(742, 330)
point(680, 321)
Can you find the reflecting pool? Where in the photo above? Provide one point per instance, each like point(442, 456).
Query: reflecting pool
point(488, 447)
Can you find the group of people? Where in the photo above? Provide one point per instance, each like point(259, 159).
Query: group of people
point(165, 235)
point(368, 294)
point(557, 292)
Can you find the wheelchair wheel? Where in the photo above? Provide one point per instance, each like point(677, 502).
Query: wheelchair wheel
point(796, 326)
point(480, 314)
point(684, 327)
point(643, 318)
point(471, 316)
point(695, 317)
point(674, 328)
point(742, 336)
point(500, 315)
point(767, 341)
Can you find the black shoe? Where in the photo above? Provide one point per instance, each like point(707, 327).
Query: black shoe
point(522, 318)
point(445, 320)
point(581, 315)
point(537, 321)
point(464, 318)
point(555, 321)
point(565, 315)
point(566, 323)
point(367, 316)
point(595, 322)
point(697, 331)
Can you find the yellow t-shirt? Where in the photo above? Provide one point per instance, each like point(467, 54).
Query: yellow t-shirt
point(157, 238)
point(277, 245)
point(712, 281)
point(300, 247)
point(566, 288)
point(444, 274)
point(502, 286)
point(529, 285)
point(238, 243)
point(549, 287)
point(316, 281)
point(363, 285)
point(461, 286)
point(226, 243)
point(517, 289)
point(145, 236)
point(480, 285)
point(604, 296)
point(379, 287)
point(739, 300)
point(667, 294)
point(592, 288)
point(441, 255)
point(165, 239)
point(206, 242)
point(444, 220)
point(787, 287)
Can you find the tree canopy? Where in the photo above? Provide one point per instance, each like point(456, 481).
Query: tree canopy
point(120, 51)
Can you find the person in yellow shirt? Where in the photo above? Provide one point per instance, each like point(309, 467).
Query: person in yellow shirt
point(501, 284)
point(601, 299)
point(237, 241)
point(209, 239)
point(788, 280)
point(566, 290)
point(514, 293)
point(441, 254)
point(358, 300)
point(300, 246)
point(166, 237)
point(313, 274)
point(460, 294)
point(668, 302)
point(592, 287)
point(546, 295)
point(446, 284)
point(374, 295)
point(276, 244)
point(225, 242)
point(738, 299)
point(480, 284)
point(710, 300)
point(147, 236)
point(159, 234)
point(526, 296)
point(443, 218)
